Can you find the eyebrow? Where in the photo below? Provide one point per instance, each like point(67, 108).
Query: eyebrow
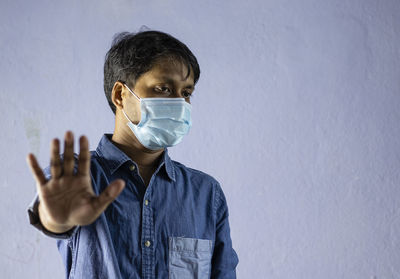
point(171, 81)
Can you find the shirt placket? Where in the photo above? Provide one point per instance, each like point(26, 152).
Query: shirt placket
point(148, 245)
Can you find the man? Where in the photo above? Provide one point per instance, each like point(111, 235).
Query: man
point(126, 210)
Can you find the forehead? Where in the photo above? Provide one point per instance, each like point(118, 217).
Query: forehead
point(172, 69)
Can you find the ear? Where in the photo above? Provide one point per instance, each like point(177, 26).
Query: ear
point(117, 94)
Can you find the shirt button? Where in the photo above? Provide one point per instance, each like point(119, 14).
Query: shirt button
point(132, 167)
point(147, 243)
point(146, 202)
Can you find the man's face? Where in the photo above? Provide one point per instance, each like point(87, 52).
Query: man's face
point(164, 80)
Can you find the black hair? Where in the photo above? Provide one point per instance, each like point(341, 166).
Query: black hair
point(133, 54)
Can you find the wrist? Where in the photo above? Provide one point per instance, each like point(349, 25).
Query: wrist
point(51, 226)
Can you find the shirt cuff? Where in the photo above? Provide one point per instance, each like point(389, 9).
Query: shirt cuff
point(34, 220)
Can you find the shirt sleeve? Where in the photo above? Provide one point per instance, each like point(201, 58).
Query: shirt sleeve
point(224, 259)
point(33, 212)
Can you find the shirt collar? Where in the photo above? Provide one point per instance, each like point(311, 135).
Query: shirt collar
point(114, 157)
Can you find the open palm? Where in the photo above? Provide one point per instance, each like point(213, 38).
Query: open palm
point(67, 199)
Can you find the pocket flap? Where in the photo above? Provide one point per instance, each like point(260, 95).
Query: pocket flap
point(190, 244)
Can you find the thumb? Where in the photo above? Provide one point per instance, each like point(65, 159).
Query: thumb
point(108, 195)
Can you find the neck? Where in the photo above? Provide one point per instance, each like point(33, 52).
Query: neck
point(128, 143)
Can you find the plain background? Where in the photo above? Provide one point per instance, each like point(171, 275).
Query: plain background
point(296, 113)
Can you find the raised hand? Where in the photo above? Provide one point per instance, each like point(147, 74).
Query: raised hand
point(68, 199)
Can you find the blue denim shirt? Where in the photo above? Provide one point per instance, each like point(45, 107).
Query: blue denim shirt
point(177, 227)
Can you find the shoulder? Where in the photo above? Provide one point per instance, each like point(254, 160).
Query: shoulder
point(194, 175)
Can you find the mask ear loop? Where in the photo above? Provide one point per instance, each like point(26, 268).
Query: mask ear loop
point(137, 97)
point(127, 116)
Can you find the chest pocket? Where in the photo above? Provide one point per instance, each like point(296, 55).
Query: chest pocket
point(189, 258)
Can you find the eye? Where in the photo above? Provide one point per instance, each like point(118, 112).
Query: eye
point(163, 89)
point(187, 94)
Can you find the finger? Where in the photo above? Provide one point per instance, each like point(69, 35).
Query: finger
point(55, 161)
point(36, 169)
point(84, 156)
point(68, 164)
point(112, 191)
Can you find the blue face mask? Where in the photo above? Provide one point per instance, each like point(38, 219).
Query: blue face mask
point(164, 121)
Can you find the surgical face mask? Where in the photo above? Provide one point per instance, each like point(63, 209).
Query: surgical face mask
point(164, 121)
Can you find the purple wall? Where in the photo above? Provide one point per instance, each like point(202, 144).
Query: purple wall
point(296, 113)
